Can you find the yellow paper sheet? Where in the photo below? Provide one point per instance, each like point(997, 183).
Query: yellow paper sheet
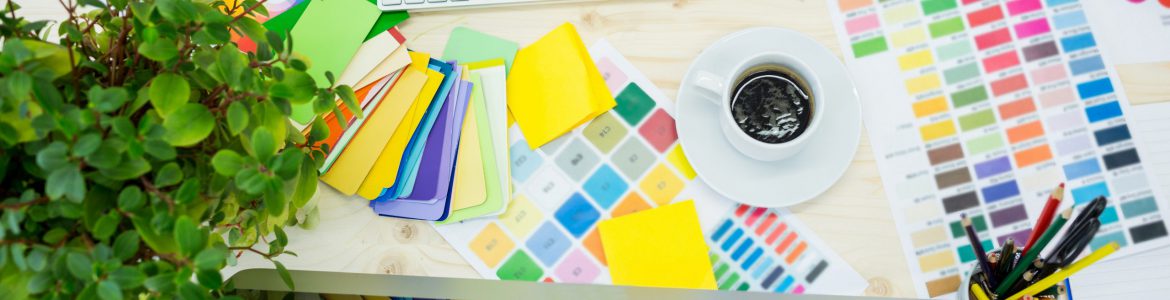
point(397, 60)
point(554, 86)
point(661, 247)
point(469, 188)
point(385, 169)
point(359, 156)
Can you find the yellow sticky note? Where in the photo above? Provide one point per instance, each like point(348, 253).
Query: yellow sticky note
point(469, 188)
point(359, 156)
point(554, 86)
point(385, 169)
point(661, 247)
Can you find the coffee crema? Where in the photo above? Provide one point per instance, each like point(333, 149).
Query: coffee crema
point(772, 104)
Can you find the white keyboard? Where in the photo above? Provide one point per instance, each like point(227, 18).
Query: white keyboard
point(412, 5)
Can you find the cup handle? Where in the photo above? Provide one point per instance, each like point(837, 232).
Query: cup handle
point(712, 84)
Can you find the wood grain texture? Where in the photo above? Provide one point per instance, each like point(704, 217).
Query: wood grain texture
point(660, 38)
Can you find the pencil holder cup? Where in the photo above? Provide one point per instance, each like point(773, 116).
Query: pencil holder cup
point(965, 293)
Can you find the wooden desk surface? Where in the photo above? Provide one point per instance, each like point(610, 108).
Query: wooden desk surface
point(660, 37)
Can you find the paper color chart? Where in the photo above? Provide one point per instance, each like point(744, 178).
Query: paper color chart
point(992, 104)
point(623, 161)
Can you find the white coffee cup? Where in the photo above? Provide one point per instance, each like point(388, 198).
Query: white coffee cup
point(719, 87)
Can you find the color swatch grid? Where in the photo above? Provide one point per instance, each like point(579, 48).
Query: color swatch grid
point(759, 249)
point(624, 161)
point(997, 103)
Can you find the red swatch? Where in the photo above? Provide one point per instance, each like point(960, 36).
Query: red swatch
point(1017, 108)
point(992, 39)
point(1008, 85)
point(984, 16)
point(1001, 61)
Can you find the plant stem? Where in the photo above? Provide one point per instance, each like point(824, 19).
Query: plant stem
point(23, 204)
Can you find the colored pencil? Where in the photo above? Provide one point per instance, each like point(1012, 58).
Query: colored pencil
point(1045, 216)
point(1007, 258)
point(980, 253)
point(978, 291)
point(1031, 255)
point(1059, 276)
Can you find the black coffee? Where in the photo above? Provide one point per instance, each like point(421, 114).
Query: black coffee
point(771, 104)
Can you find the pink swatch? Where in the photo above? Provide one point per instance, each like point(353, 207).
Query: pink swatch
point(1057, 97)
point(614, 78)
point(862, 24)
point(1031, 28)
point(1049, 74)
point(576, 268)
point(1022, 6)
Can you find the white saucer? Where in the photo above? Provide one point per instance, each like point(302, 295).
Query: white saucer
point(780, 183)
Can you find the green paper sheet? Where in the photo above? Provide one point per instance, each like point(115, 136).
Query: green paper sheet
point(328, 34)
point(284, 22)
point(468, 45)
point(385, 21)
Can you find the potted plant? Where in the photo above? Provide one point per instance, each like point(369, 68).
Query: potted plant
point(141, 151)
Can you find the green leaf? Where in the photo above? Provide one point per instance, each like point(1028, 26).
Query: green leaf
point(126, 245)
point(318, 130)
point(159, 149)
point(37, 260)
point(53, 156)
point(131, 198)
point(129, 168)
point(211, 258)
point(188, 236)
point(161, 283)
point(231, 64)
point(106, 225)
point(306, 184)
point(274, 200)
point(66, 181)
point(347, 96)
point(79, 265)
point(40, 282)
point(227, 162)
point(108, 155)
point(107, 100)
point(160, 242)
point(188, 192)
point(55, 235)
point(250, 180)
point(108, 290)
point(20, 84)
point(281, 237)
point(284, 275)
point(169, 92)
point(168, 175)
point(177, 11)
point(263, 144)
point(210, 279)
point(298, 87)
point(17, 251)
point(160, 49)
point(127, 277)
point(288, 163)
point(87, 144)
point(188, 125)
point(122, 127)
point(237, 117)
